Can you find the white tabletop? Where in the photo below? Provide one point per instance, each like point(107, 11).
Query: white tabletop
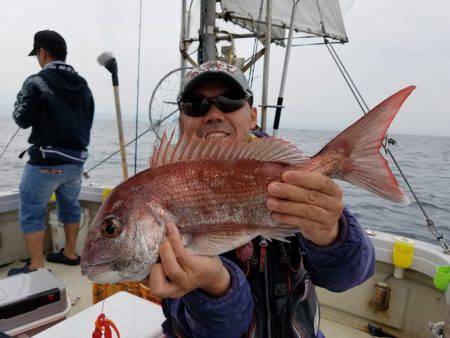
point(133, 316)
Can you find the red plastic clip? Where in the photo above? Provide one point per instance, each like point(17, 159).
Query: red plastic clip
point(103, 327)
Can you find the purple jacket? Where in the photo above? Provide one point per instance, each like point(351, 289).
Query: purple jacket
point(349, 261)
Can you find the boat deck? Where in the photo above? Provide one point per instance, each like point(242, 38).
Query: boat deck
point(80, 293)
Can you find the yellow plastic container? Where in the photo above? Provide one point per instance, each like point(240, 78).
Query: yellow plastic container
point(403, 253)
point(52, 198)
point(105, 193)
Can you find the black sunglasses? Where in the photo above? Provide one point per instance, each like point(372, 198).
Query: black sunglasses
point(199, 105)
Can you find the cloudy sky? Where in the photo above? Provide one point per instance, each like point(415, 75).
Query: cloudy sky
point(392, 44)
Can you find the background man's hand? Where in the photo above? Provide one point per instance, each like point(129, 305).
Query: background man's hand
point(180, 272)
point(310, 201)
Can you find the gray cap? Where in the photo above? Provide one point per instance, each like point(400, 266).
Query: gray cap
point(214, 70)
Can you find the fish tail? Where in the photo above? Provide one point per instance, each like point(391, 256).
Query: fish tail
point(358, 148)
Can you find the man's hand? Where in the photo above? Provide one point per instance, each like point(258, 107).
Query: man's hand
point(180, 272)
point(310, 201)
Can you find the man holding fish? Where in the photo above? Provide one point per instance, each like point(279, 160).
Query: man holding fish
point(274, 216)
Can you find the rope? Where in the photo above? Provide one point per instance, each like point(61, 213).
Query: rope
point(9, 142)
point(365, 108)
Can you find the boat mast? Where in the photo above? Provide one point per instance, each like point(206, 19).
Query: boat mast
point(265, 84)
point(207, 44)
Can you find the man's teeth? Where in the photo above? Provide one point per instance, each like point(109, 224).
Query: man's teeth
point(216, 134)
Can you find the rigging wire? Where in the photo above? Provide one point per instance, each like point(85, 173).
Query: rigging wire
point(315, 44)
point(365, 109)
point(196, 49)
point(255, 45)
point(9, 142)
point(137, 87)
point(154, 124)
point(86, 173)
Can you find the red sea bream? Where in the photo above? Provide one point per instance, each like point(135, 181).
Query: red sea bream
point(215, 189)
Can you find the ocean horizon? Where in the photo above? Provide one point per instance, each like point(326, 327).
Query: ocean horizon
point(424, 160)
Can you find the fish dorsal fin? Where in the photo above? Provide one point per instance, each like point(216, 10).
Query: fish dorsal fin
point(191, 148)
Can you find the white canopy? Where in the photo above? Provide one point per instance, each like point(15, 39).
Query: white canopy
point(317, 17)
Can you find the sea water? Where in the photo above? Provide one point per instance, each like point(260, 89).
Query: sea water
point(425, 161)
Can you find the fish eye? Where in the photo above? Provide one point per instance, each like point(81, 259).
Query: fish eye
point(111, 227)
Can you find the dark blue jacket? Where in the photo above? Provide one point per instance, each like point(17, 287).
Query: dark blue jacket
point(349, 261)
point(58, 106)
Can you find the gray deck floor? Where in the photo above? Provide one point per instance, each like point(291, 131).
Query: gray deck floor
point(79, 289)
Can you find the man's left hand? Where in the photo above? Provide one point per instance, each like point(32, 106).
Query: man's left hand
point(180, 271)
point(310, 201)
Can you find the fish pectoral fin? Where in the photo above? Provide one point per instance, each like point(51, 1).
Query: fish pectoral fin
point(280, 234)
point(186, 238)
point(215, 239)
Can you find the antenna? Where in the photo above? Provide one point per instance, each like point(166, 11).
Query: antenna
point(137, 87)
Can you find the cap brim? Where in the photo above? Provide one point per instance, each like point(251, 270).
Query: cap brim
point(211, 75)
point(33, 52)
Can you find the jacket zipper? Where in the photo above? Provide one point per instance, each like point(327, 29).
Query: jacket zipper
point(296, 327)
point(295, 324)
point(263, 246)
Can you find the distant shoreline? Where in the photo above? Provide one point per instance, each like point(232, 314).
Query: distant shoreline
point(145, 120)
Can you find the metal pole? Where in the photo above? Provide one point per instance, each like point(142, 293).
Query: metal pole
point(182, 39)
point(276, 122)
point(207, 31)
point(188, 20)
point(265, 85)
point(120, 129)
point(137, 87)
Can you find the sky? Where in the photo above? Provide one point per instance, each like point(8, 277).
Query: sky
point(392, 44)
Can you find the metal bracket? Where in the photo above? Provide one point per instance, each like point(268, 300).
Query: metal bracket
point(370, 232)
point(271, 106)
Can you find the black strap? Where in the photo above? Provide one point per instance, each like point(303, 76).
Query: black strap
point(22, 154)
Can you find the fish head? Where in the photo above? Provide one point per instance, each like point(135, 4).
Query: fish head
point(124, 238)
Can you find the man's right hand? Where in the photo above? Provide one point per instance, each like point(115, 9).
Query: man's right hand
point(181, 272)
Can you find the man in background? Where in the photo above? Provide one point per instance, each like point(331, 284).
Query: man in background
point(58, 106)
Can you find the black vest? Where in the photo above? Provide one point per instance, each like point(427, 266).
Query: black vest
point(285, 302)
point(284, 297)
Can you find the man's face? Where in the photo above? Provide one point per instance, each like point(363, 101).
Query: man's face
point(216, 123)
